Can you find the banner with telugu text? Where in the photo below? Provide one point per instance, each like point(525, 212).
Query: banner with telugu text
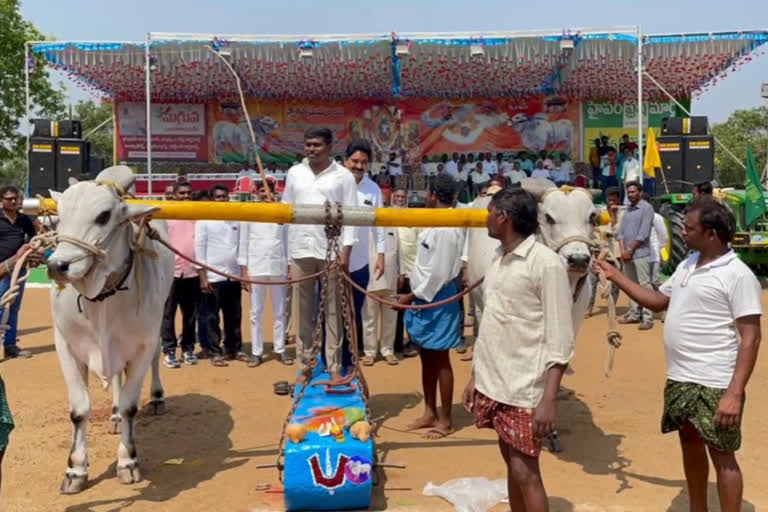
point(178, 132)
point(614, 120)
point(416, 126)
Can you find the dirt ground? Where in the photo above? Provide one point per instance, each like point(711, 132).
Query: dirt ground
point(224, 421)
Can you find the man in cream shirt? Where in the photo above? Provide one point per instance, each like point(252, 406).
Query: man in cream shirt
point(315, 180)
point(524, 345)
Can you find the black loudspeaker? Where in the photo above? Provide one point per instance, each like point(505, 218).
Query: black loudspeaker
point(671, 151)
point(694, 125)
point(70, 129)
point(95, 165)
point(43, 128)
point(699, 158)
point(71, 160)
point(42, 165)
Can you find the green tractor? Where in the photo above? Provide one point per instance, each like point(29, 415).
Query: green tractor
point(750, 243)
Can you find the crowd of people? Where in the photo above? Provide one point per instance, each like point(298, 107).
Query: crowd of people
point(524, 337)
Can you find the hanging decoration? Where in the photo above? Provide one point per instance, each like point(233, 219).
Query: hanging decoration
point(600, 67)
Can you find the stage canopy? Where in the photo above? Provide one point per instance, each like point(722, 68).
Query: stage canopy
point(581, 65)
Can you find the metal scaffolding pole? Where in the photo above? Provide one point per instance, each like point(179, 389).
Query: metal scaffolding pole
point(148, 100)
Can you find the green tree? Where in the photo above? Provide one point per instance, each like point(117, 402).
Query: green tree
point(92, 115)
point(743, 128)
point(47, 100)
point(13, 171)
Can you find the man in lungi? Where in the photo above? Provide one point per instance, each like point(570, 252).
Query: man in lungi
point(712, 301)
point(436, 330)
point(523, 347)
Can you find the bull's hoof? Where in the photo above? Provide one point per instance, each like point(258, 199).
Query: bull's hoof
point(73, 484)
point(114, 424)
point(158, 407)
point(129, 474)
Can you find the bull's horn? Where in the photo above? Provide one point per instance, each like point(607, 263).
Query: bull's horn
point(537, 186)
point(121, 175)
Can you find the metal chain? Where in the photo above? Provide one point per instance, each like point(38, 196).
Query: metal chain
point(332, 232)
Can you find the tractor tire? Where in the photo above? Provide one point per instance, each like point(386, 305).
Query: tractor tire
point(677, 249)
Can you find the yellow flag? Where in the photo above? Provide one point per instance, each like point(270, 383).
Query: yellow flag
point(652, 158)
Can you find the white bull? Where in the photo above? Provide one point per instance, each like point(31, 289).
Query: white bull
point(566, 220)
point(107, 316)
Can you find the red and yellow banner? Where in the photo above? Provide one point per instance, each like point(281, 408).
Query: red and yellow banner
point(415, 126)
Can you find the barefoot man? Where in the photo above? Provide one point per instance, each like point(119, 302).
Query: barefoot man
point(523, 347)
point(711, 296)
point(436, 330)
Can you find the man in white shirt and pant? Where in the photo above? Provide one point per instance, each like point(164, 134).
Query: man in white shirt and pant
point(217, 245)
point(375, 313)
point(315, 180)
point(263, 255)
point(711, 336)
point(358, 157)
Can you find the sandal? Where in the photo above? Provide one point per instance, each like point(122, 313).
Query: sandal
point(254, 361)
point(219, 361)
point(282, 387)
point(285, 359)
point(367, 360)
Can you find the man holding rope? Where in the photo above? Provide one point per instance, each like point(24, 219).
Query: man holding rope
point(436, 330)
point(711, 296)
point(523, 347)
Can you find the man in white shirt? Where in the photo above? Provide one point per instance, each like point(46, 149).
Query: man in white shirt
point(479, 177)
point(559, 176)
point(540, 173)
point(711, 336)
point(263, 255)
point(507, 165)
point(376, 314)
point(516, 175)
point(395, 164)
point(524, 345)
point(436, 330)
point(315, 180)
point(470, 164)
point(217, 245)
point(490, 165)
point(631, 170)
point(358, 157)
point(452, 166)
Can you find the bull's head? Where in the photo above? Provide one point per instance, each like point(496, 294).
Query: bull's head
point(94, 214)
point(566, 218)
